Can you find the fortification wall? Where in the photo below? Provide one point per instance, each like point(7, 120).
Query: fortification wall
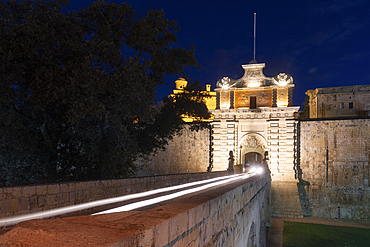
point(332, 178)
point(334, 160)
point(187, 152)
point(35, 198)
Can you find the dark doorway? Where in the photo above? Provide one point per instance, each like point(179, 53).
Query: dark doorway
point(253, 158)
point(253, 103)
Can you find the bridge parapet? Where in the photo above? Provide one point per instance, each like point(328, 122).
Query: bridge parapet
point(36, 198)
point(230, 215)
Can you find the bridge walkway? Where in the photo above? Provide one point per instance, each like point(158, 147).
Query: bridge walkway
point(216, 216)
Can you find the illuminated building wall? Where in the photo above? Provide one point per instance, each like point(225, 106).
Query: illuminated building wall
point(263, 96)
point(349, 101)
point(210, 101)
point(254, 114)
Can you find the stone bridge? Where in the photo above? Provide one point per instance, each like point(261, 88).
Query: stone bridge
point(234, 214)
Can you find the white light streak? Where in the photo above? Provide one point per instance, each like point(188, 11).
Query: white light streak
point(259, 170)
point(144, 203)
point(10, 221)
point(253, 170)
point(256, 170)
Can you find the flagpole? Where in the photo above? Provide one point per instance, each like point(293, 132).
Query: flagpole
point(254, 37)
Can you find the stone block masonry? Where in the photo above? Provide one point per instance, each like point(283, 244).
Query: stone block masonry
point(236, 218)
point(35, 198)
point(285, 200)
point(334, 159)
point(332, 172)
point(188, 152)
point(230, 215)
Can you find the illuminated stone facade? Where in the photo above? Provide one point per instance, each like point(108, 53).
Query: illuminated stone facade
point(349, 101)
point(210, 100)
point(319, 167)
point(254, 118)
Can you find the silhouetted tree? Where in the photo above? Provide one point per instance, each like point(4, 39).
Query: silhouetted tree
point(78, 89)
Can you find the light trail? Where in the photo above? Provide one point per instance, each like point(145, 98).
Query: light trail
point(144, 203)
point(10, 221)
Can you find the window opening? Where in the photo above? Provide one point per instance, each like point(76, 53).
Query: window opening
point(253, 102)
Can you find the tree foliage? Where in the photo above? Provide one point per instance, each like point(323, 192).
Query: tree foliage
point(78, 89)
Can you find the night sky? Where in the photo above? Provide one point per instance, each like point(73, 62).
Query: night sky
point(320, 43)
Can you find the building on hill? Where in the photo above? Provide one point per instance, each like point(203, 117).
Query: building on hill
point(331, 102)
point(210, 101)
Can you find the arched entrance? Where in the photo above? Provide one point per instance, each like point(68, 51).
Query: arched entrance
point(253, 158)
point(252, 149)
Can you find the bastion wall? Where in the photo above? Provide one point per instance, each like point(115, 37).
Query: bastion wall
point(332, 171)
point(334, 159)
point(187, 152)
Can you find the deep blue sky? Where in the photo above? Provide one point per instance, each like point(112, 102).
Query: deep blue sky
point(321, 43)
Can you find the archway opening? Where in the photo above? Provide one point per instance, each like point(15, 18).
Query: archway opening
point(253, 158)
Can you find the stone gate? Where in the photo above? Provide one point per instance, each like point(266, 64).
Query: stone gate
point(254, 118)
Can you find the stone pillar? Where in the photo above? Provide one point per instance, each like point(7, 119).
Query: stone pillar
point(281, 149)
point(290, 146)
point(218, 100)
point(273, 145)
point(223, 138)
